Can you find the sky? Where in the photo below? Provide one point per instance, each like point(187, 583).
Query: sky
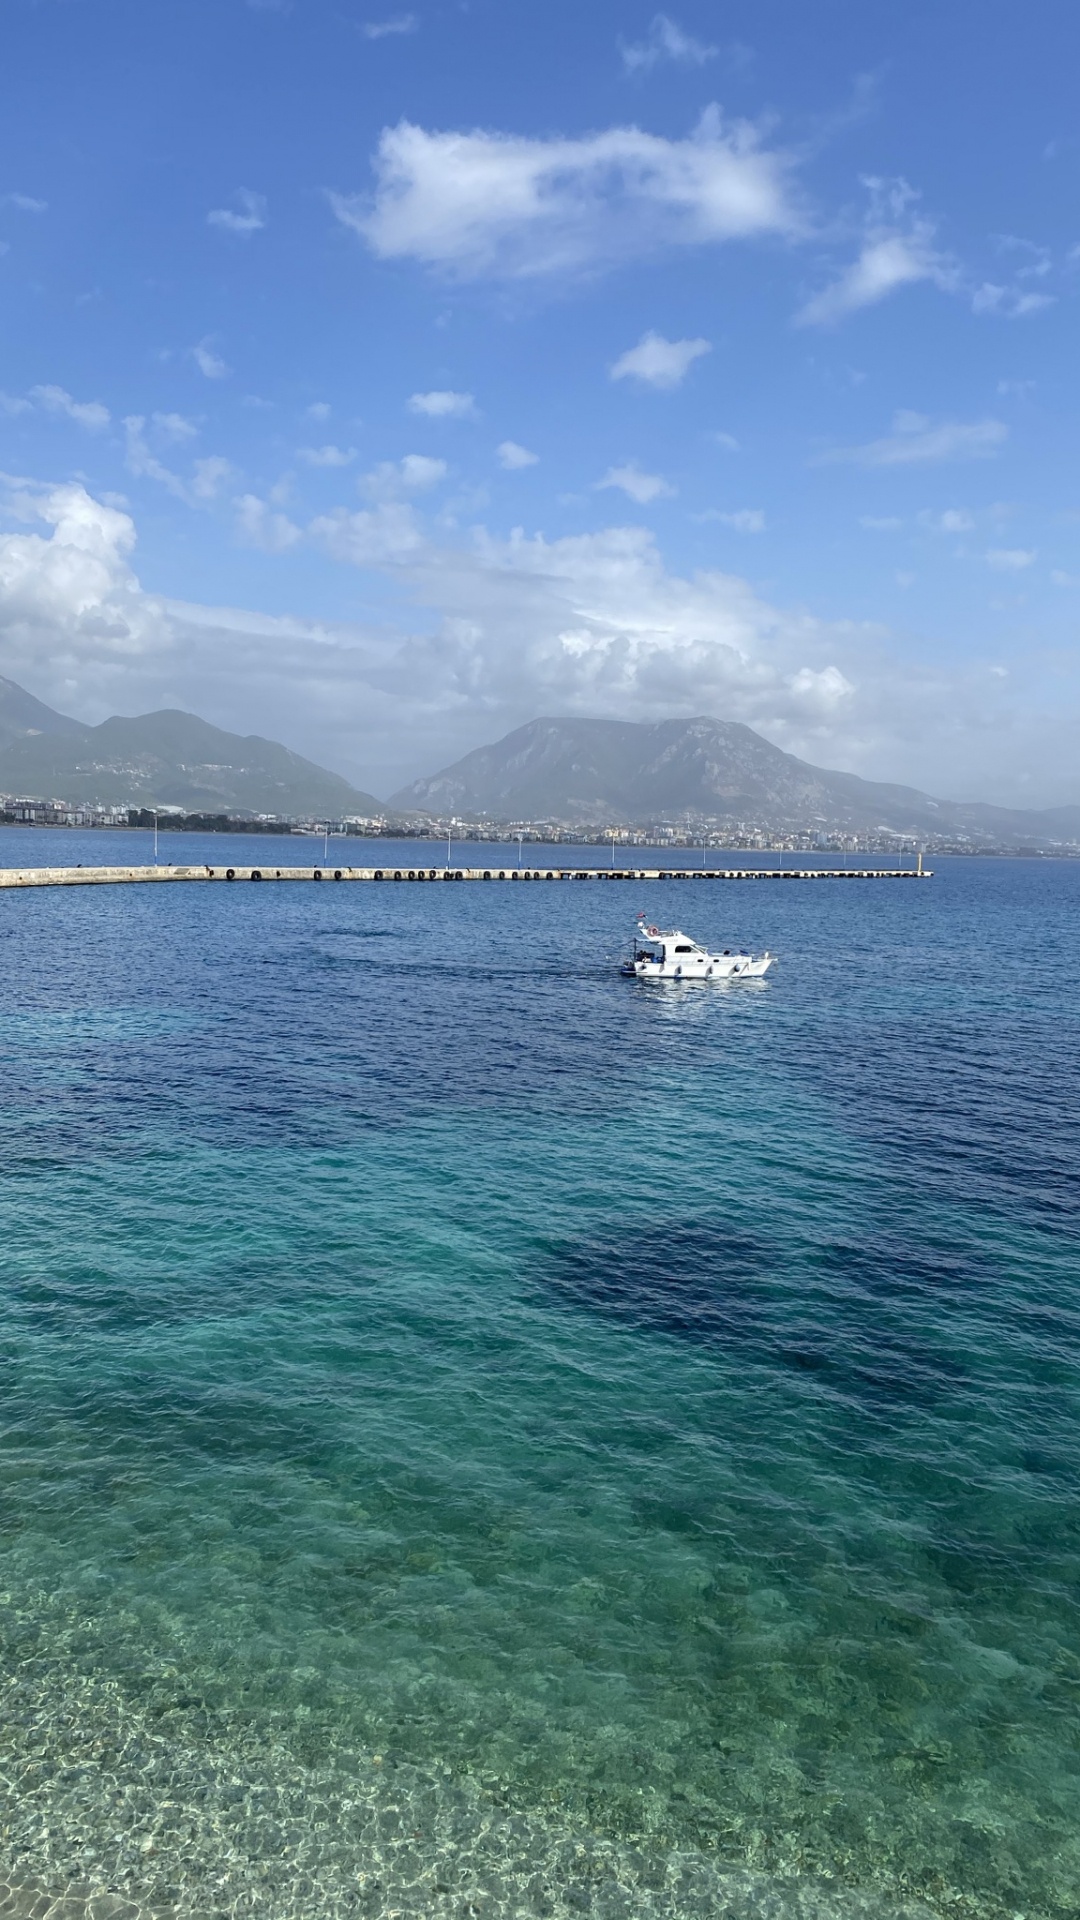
point(379, 378)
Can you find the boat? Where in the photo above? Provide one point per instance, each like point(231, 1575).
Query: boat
point(663, 953)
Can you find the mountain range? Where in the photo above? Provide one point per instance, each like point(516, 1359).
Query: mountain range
point(574, 773)
point(161, 759)
point(700, 771)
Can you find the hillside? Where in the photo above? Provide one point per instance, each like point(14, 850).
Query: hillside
point(161, 759)
point(718, 771)
point(21, 713)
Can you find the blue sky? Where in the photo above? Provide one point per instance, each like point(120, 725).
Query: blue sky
point(380, 377)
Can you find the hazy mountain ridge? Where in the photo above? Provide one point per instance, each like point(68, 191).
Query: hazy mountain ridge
point(640, 773)
point(572, 772)
point(161, 759)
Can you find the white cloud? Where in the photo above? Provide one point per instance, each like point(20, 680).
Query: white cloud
point(916, 441)
point(952, 520)
point(883, 523)
point(70, 600)
point(506, 630)
point(1017, 389)
point(318, 410)
point(144, 463)
point(259, 525)
point(1010, 559)
point(727, 441)
point(513, 457)
point(491, 203)
point(388, 534)
point(1062, 579)
point(86, 413)
point(250, 219)
point(24, 203)
point(443, 405)
point(209, 363)
point(665, 41)
point(415, 473)
point(659, 362)
point(898, 249)
point(641, 487)
point(328, 456)
point(211, 476)
point(174, 426)
point(742, 520)
point(1012, 303)
point(383, 29)
point(13, 403)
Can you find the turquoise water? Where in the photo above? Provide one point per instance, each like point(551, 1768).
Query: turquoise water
point(484, 1436)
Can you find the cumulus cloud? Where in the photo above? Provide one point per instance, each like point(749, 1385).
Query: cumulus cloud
point(915, 440)
point(328, 456)
point(505, 629)
point(86, 413)
point(69, 601)
point(248, 217)
point(442, 405)
point(1010, 559)
point(639, 486)
point(385, 29)
point(210, 364)
point(385, 535)
point(665, 41)
point(318, 410)
point(415, 473)
point(492, 203)
point(659, 362)
point(513, 457)
point(258, 524)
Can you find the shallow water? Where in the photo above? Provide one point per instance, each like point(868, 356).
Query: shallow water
point(484, 1436)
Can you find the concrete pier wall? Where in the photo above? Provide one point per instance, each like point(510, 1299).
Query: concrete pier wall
point(162, 875)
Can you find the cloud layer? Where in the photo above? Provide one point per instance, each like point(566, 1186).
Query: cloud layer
point(596, 624)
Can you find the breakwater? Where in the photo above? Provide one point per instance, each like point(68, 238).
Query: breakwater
point(118, 876)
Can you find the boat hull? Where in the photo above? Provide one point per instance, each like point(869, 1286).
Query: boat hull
point(740, 966)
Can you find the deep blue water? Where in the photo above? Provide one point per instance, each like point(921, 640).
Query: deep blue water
point(646, 1413)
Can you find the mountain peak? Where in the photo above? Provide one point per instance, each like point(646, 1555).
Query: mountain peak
point(581, 772)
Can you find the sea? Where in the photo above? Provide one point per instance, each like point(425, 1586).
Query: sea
point(482, 1437)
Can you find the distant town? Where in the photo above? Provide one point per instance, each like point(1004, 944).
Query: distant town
point(20, 810)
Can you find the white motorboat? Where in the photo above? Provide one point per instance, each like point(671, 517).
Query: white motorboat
point(663, 953)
